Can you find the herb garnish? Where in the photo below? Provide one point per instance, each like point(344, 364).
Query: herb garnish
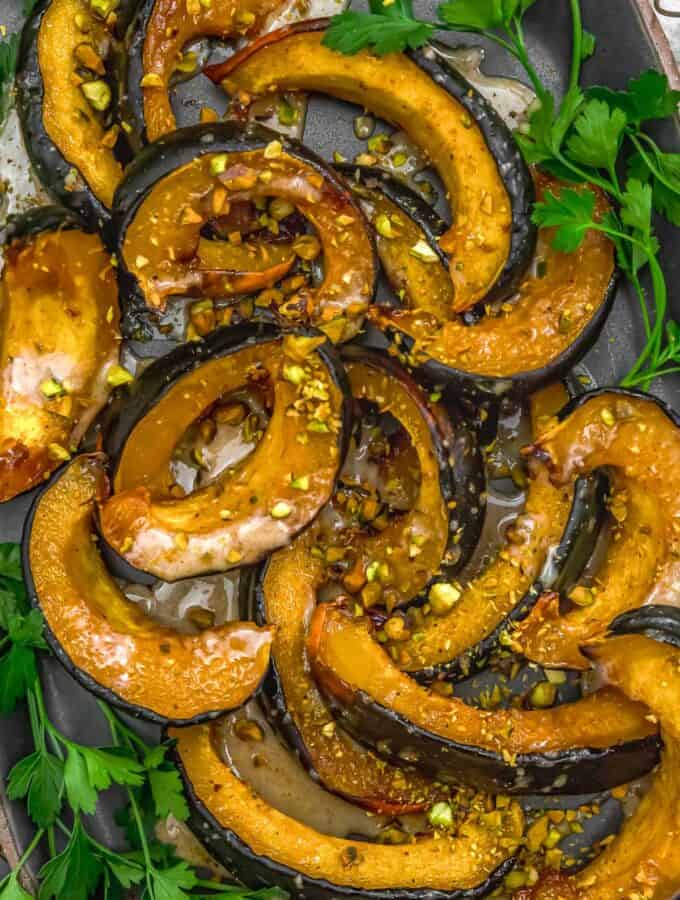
point(593, 135)
point(61, 779)
point(9, 50)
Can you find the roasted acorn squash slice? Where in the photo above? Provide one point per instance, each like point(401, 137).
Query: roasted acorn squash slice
point(58, 340)
point(556, 316)
point(586, 746)
point(286, 590)
point(156, 40)
point(546, 547)
point(491, 239)
point(263, 846)
point(104, 640)
point(65, 98)
point(182, 182)
point(643, 661)
point(255, 506)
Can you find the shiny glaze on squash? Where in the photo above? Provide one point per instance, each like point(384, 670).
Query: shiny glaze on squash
point(256, 838)
point(105, 640)
point(642, 860)
point(69, 120)
point(556, 301)
point(161, 243)
point(232, 521)
point(58, 323)
point(167, 26)
point(287, 595)
point(397, 89)
point(511, 749)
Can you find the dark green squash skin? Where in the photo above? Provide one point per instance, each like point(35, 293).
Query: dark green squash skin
point(50, 165)
point(133, 401)
point(475, 386)
point(260, 872)
point(39, 220)
point(658, 622)
point(159, 160)
point(462, 479)
point(580, 770)
point(560, 571)
point(132, 71)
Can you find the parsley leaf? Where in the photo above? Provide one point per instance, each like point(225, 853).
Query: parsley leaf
point(168, 796)
point(73, 874)
point(10, 554)
point(588, 45)
point(352, 31)
point(597, 138)
point(10, 889)
point(665, 180)
point(40, 777)
point(547, 129)
point(571, 214)
point(9, 50)
point(18, 673)
point(171, 884)
point(125, 870)
point(647, 97)
point(476, 14)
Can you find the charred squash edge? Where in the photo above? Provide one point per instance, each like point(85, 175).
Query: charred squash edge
point(159, 160)
point(48, 161)
point(659, 622)
point(563, 566)
point(579, 770)
point(501, 145)
point(132, 402)
point(433, 226)
point(87, 681)
point(260, 871)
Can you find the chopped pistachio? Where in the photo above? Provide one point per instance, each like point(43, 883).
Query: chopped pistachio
point(117, 375)
point(582, 596)
point(422, 251)
point(226, 514)
point(103, 8)
point(543, 695)
point(280, 208)
point(218, 163)
point(234, 556)
point(379, 143)
point(317, 427)
point(97, 93)
point(307, 247)
point(443, 597)
point(608, 417)
point(328, 730)
point(372, 570)
point(273, 150)
point(286, 113)
point(441, 815)
point(280, 510)
point(51, 389)
point(399, 159)
point(187, 63)
point(294, 373)
point(383, 226)
point(151, 79)
point(301, 483)
point(515, 879)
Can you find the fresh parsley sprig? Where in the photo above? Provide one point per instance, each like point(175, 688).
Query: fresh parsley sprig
point(9, 50)
point(593, 135)
point(61, 780)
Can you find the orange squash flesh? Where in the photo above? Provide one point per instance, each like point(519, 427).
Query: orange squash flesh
point(632, 435)
point(398, 90)
point(168, 263)
point(555, 301)
point(246, 268)
point(106, 640)
point(69, 120)
point(642, 861)
point(170, 27)
point(233, 520)
point(289, 595)
point(58, 323)
point(461, 861)
point(637, 546)
point(347, 661)
point(492, 594)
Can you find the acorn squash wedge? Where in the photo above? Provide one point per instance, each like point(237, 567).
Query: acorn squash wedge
point(638, 437)
point(104, 640)
point(286, 590)
point(555, 317)
point(546, 547)
point(265, 847)
point(66, 102)
point(586, 746)
point(184, 181)
point(248, 509)
point(492, 238)
point(156, 40)
point(641, 659)
point(58, 341)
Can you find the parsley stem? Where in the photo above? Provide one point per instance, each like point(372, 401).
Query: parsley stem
point(577, 45)
point(650, 163)
point(116, 725)
point(26, 855)
point(522, 54)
